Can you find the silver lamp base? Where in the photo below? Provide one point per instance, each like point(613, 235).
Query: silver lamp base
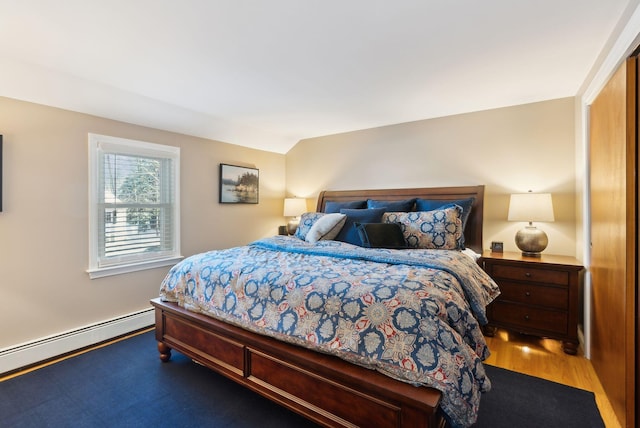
point(531, 241)
point(292, 226)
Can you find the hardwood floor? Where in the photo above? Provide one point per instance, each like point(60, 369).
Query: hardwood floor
point(544, 358)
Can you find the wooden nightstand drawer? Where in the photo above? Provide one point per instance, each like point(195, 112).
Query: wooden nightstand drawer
point(532, 274)
point(550, 297)
point(539, 295)
point(528, 318)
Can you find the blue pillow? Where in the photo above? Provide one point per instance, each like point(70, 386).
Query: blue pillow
point(335, 207)
point(349, 233)
point(405, 206)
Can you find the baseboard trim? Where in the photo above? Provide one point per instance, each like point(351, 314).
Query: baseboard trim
point(46, 348)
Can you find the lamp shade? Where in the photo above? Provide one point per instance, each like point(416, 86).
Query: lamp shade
point(531, 207)
point(294, 207)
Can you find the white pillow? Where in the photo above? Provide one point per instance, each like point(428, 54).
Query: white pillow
point(326, 227)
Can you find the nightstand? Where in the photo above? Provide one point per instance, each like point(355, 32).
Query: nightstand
point(539, 295)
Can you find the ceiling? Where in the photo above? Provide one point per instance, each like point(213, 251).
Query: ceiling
point(266, 74)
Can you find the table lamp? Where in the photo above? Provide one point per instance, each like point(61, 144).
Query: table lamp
point(294, 208)
point(531, 207)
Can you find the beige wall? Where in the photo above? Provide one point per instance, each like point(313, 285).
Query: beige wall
point(509, 150)
point(43, 229)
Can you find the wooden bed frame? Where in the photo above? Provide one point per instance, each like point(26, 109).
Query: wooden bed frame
point(322, 388)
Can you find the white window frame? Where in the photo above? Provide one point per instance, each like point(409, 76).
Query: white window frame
point(101, 144)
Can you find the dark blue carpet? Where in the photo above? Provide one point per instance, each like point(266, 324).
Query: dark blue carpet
point(518, 400)
point(126, 385)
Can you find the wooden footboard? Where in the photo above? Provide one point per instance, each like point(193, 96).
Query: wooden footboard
point(322, 388)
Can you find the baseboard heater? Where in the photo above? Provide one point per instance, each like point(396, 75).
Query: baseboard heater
point(46, 348)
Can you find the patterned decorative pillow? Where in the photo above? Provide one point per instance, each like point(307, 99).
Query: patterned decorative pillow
point(316, 226)
point(437, 229)
point(440, 204)
point(326, 227)
point(306, 222)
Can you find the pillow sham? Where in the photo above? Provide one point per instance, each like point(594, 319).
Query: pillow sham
point(433, 204)
point(335, 207)
point(437, 229)
point(307, 220)
point(437, 204)
point(326, 227)
point(349, 233)
point(405, 205)
point(380, 235)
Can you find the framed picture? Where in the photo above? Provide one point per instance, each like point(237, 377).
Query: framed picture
point(238, 184)
point(496, 247)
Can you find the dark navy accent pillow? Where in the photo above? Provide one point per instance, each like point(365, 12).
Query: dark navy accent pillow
point(392, 206)
point(349, 233)
point(335, 207)
point(381, 235)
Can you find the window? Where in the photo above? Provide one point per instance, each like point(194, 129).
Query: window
point(134, 205)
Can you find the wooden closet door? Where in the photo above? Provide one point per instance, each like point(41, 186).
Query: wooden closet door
point(613, 154)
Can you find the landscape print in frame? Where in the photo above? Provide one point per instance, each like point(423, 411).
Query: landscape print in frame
point(238, 184)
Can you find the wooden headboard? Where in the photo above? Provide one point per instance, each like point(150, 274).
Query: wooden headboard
point(473, 231)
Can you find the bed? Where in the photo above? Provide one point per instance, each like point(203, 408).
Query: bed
point(335, 382)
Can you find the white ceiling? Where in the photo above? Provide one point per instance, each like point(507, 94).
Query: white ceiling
point(266, 74)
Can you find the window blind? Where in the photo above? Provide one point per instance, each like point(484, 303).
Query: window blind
point(135, 202)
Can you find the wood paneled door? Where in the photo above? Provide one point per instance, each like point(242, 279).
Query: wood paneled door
point(614, 255)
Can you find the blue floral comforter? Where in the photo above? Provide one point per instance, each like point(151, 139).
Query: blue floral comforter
point(413, 315)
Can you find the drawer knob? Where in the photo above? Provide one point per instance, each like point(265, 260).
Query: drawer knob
point(527, 274)
point(527, 293)
point(526, 317)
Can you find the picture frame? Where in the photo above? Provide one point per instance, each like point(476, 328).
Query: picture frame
point(239, 184)
point(496, 247)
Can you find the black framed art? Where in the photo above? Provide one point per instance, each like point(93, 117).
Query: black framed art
point(496, 246)
point(239, 184)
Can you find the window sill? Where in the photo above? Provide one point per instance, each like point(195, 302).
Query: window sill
point(134, 267)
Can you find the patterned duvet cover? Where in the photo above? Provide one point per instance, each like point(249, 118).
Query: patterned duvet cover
point(414, 315)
